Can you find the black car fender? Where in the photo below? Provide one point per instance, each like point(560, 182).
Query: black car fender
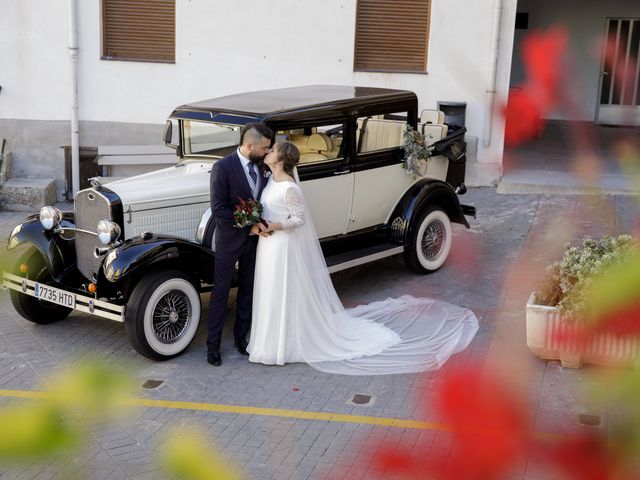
point(140, 255)
point(58, 251)
point(416, 199)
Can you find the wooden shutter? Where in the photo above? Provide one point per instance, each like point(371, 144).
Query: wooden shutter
point(143, 30)
point(392, 35)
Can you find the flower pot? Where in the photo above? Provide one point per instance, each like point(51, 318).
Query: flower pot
point(546, 330)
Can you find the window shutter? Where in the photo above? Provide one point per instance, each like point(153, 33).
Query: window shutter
point(143, 30)
point(392, 35)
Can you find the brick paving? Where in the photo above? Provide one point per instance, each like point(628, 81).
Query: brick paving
point(493, 267)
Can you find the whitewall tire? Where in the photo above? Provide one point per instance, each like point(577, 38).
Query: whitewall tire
point(430, 241)
point(163, 315)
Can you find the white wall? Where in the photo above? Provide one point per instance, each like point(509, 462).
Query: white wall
point(230, 46)
point(34, 66)
point(586, 31)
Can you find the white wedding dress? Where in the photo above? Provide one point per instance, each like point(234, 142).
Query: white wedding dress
point(298, 317)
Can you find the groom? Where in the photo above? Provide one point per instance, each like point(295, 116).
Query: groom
point(236, 176)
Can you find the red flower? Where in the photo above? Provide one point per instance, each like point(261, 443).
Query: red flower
point(522, 118)
point(248, 213)
point(490, 423)
point(585, 457)
point(542, 55)
point(622, 322)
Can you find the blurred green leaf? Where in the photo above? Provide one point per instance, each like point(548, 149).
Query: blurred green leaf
point(34, 431)
point(58, 421)
point(92, 389)
point(188, 455)
point(615, 288)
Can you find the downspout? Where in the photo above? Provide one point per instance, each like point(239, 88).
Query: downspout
point(491, 93)
point(73, 57)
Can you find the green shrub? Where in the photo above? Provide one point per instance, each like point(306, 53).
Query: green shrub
point(569, 279)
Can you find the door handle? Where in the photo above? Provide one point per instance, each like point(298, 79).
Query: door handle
point(341, 172)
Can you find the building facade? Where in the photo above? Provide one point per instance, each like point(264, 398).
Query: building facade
point(445, 51)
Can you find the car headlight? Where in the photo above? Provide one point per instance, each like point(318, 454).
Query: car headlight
point(108, 232)
point(50, 217)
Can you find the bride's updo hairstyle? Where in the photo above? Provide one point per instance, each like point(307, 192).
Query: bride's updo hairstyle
point(290, 156)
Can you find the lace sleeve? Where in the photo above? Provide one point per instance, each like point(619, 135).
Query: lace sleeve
point(295, 206)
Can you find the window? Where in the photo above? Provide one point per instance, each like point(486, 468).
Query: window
point(380, 132)
point(392, 35)
point(214, 139)
point(144, 30)
point(316, 144)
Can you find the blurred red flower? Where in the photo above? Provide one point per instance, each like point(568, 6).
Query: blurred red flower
point(490, 423)
point(542, 55)
point(621, 322)
point(584, 457)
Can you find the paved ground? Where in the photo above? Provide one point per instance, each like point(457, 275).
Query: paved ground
point(571, 157)
point(493, 268)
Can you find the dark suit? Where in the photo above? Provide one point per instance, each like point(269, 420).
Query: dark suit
point(228, 185)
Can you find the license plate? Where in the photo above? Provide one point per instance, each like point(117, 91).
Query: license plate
point(55, 295)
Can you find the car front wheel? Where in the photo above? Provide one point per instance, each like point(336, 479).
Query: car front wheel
point(430, 241)
point(34, 310)
point(162, 315)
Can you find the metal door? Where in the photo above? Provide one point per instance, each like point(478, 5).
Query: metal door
point(619, 102)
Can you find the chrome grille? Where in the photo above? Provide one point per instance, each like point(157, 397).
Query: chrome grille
point(90, 207)
point(180, 221)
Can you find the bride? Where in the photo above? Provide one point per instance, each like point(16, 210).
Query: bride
point(298, 317)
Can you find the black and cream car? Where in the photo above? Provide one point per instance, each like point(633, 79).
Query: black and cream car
point(139, 250)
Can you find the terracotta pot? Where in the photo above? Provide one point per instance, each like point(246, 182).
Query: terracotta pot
point(546, 329)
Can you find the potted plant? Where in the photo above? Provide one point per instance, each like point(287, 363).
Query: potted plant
point(582, 314)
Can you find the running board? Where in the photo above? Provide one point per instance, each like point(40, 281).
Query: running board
point(354, 258)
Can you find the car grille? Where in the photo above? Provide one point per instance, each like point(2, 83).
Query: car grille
point(90, 207)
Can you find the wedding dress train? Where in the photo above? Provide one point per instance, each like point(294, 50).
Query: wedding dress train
point(298, 317)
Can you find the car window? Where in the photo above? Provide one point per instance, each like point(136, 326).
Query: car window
point(380, 132)
point(316, 144)
point(208, 138)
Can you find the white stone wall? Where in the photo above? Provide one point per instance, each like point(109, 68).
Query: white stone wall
point(230, 46)
point(34, 65)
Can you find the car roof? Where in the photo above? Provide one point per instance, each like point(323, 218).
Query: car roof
point(290, 103)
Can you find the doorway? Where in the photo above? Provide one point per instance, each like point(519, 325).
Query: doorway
point(88, 168)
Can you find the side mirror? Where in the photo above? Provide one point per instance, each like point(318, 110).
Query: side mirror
point(168, 135)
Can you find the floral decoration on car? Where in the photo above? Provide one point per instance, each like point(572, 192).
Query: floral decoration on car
point(416, 152)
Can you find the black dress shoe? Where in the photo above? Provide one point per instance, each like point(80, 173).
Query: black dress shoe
point(241, 346)
point(213, 356)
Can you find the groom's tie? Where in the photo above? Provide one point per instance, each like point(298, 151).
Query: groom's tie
point(254, 177)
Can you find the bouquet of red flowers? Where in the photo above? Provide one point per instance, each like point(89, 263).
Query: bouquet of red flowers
point(248, 213)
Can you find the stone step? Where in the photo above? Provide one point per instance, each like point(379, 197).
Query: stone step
point(27, 194)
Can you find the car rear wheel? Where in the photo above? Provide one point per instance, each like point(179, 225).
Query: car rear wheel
point(162, 315)
point(34, 310)
point(430, 241)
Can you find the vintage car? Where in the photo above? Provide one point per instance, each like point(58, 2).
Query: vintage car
point(139, 250)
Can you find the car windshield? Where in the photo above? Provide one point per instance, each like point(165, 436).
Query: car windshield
point(210, 139)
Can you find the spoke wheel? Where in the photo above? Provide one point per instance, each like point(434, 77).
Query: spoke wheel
point(430, 241)
point(162, 315)
point(171, 316)
point(433, 240)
